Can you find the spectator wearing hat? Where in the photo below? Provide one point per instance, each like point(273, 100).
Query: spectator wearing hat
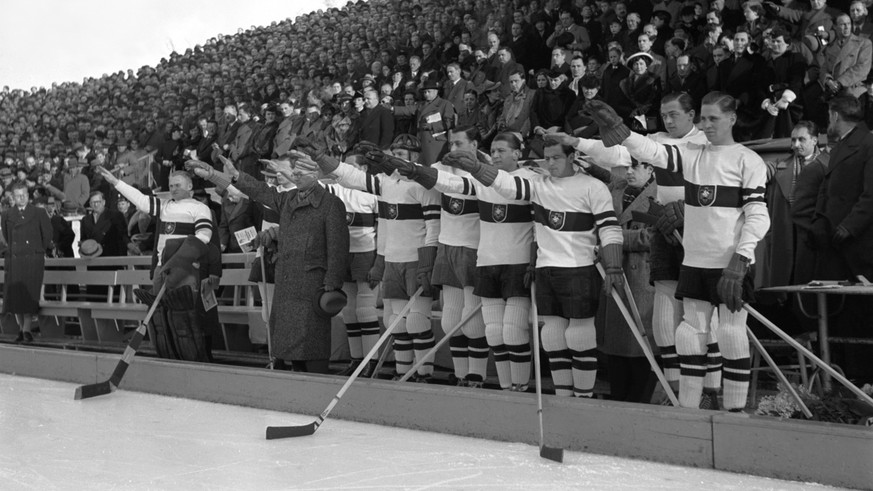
point(433, 119)
point(237, 213)
point(376, 124)
point(491, 109)
point(643, 90)
point(262, 140)
point(580, 40)
point(27, 232)
point(63, 234)
point(549, 109)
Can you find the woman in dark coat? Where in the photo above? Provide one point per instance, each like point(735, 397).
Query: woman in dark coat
point(27, 231)
point(642, 89)
point(313, 246)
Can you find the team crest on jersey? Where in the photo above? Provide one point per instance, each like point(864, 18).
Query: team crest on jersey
point(498, 213)
point(706, 195)
point(456, 205)
point(392, 211)
point(556, 219)
point(350, 217)
point(169, 227)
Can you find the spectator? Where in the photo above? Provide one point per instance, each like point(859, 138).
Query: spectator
point(861, 25)
point(782, 82)
point(241, 150)
point(658, 64)
point(577, 71)
point(132, 166)
point(237, 213)
point(686, 79)
point(549, 110)
point(739, 76)
point(643, 90)
point(377, 123)
point(470, 114)
point(169, 157)
point(76, 186)
point(628, 370)
point(515, 116)
point(580, 41)
point(817, 21)
point(106, 226)
point(433, 120)
point(28, 233)
point(613, 74)
point(578, 123)
point(454, 89)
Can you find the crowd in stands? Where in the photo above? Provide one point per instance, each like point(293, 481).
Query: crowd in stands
point(373, 71)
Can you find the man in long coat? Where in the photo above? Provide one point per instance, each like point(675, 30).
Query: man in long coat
point(27, 230)
point(313, 239)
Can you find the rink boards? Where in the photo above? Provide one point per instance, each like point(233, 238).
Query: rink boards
point(798, 450)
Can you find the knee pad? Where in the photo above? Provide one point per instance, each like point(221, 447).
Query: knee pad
point(453, 306)
point(492, 315)
point(365, 303)
point(690, 341)
point(418, 319)
point(733, 342)
point(553, 333)
point(581, 335)
point(516, 321)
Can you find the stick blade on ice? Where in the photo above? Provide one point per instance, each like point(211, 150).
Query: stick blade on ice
point(551, 453)
point(276, 432)
point(93, 390)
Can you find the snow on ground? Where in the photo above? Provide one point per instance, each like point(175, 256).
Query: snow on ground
point(129, 440)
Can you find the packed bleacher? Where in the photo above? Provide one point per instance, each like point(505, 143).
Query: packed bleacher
point(408, 76)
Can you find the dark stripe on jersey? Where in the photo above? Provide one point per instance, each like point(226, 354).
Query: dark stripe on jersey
point(373, 185)
point(363, 220)
point(469, 188)
point(674, 159)
point(666, 178)
point(203, 223)
point(755, 195)
point(400, 211)
point(459, 206)
point(564, 221)
point(176, 228)
point(522, 189)
point(504, 213)
point(713, 195)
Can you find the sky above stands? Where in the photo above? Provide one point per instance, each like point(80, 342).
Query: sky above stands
point(45, 41)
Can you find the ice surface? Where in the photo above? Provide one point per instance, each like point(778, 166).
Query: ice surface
point(129, 440)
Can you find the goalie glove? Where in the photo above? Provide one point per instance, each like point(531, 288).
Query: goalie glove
point(730, 285)
point(672, 219)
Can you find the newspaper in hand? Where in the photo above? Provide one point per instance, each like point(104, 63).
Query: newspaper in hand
point(245, 237)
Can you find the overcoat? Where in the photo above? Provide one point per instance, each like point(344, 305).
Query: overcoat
point(432, 130)
point(614, 335)
point(313, 252)
point(28, 234)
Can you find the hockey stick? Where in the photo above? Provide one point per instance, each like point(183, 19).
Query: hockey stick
point(442, 343)
point(779, 374)
point(265, 304)
point(635, 330)
point(818, 361)
point(551, 453)
point(107, 386)
point(274, 432)
point(382, 357)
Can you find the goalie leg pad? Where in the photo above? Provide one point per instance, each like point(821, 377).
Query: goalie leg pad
point(159, 333)
point(186, 324)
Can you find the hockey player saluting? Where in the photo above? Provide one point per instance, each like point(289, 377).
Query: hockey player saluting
point(504, 249)
point(571, 209)
point(409, 222)
point(677, 112)
point(725, 217)
point(455, 268)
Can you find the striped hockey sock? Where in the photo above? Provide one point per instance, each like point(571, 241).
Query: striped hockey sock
point(560, 357)
point(458, 345)
point(403, 354)
point(734, 344)
point(370, 333)
point(516, 333)
point(492, 314)
point(422, 342)
point(478, 350)
point(666, 316)
point(582, 342)
point(712, 380)
point(353, 331)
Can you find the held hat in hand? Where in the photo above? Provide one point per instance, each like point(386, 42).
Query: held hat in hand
point(329, 304)
point(430, 84)
point(90, 248)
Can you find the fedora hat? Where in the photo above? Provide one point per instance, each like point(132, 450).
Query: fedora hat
point(430, 84)
point(69, 208)
point(90, 248)
point(329, 304)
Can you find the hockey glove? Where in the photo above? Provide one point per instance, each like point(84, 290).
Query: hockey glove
point(730, 285)
point(375, 160)
point(531, 273)
point(610, 256)
point(423, 175)
point(612, 129)
point(305, 145)
point(377, 271)
point(482, 172)
point(672, 219)
point(179, 264)
point(426, 258)
point(200, 168)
